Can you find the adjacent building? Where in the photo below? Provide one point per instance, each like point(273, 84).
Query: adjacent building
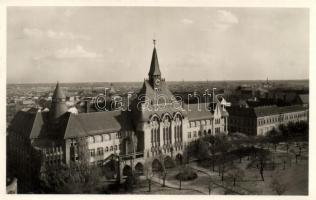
point(260, 120)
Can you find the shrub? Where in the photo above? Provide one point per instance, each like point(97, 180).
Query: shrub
point(187, 174)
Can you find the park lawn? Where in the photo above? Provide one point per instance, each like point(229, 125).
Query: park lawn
point(294, 177)
point(156, 188)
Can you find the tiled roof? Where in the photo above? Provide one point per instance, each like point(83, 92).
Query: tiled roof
point(263, 110)
point(241, 111)
point(85, 124)
point(22, 123)
point(198, 111)
point(166, 101)
point(266, 110)
point(304, 98)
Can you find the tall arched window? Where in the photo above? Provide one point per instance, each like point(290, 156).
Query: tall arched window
point(155, 131)
point(178, 128)
point(167, 129)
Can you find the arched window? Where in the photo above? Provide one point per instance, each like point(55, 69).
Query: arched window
point(167, 129)
point(155, 131)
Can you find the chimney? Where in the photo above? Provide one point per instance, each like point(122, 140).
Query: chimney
point(86, 106)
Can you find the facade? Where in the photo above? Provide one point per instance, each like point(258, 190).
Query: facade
point(260, 120)
point(156, 124)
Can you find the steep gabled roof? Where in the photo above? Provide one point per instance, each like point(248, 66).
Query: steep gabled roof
point(154, 66)
point(150, 94)
point(22, 123)
point(166, 101)
point(198, 111)
point(304, 98)
point(85, 124)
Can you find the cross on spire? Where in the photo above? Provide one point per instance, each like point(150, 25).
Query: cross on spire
point(154, 41)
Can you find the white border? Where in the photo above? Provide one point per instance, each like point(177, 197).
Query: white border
point(175, 3)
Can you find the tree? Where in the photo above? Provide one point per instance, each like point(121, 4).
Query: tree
point(296, 154)
point(223, 147)
point(284, 131)
point(62, 178)
point(213, 144)
point(203, 149)
point(235, 174)
point(163, 170)
point(274, 137)
point(148, 173)
point(261, 161)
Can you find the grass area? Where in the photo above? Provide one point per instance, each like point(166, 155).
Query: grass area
point(158, 189)
point(294, 178)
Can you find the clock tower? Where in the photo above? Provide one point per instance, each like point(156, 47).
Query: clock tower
point(154, 72)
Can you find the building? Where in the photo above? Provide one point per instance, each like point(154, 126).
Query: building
point(260, 120)
point(156, 124)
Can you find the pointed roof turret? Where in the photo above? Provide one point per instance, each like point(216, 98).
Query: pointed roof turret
point(58, 93)
point(59, 106)
point(154, 66)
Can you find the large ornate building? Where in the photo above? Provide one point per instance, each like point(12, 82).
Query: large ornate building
point(157, 124)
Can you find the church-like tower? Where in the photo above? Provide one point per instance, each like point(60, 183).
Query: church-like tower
point(58, 107)
point(154, 72)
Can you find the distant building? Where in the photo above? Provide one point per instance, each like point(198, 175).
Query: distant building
point(260, 120)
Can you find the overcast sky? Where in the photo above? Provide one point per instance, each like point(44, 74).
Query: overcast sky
point(108, 44)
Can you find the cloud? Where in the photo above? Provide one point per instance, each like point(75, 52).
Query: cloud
point(226, 17)
point(224, 20)
point(76, 52)
point(69, 12)
point(221, 21)
point(38, 33)
point(187, 21)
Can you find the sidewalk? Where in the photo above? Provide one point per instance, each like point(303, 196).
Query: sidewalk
point(175, 186)
point(241, 191)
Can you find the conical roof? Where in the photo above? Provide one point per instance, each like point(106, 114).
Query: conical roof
point(59, 106)
point(154, 66)
point(58, 93)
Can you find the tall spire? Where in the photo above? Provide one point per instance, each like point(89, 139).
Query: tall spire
point(58, 107)
point(154, 66)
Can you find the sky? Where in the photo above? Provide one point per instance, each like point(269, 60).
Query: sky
point(114, 44)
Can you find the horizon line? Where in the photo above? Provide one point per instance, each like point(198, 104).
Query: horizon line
point(231, 80)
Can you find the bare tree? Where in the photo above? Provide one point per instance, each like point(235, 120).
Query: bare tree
point(148, 173)
point(163, 170)
point(235, 173)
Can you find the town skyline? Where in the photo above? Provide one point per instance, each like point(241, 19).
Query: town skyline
point(77, 47)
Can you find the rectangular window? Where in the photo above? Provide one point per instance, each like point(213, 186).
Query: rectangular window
point(99, 151)
point(92, 152)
